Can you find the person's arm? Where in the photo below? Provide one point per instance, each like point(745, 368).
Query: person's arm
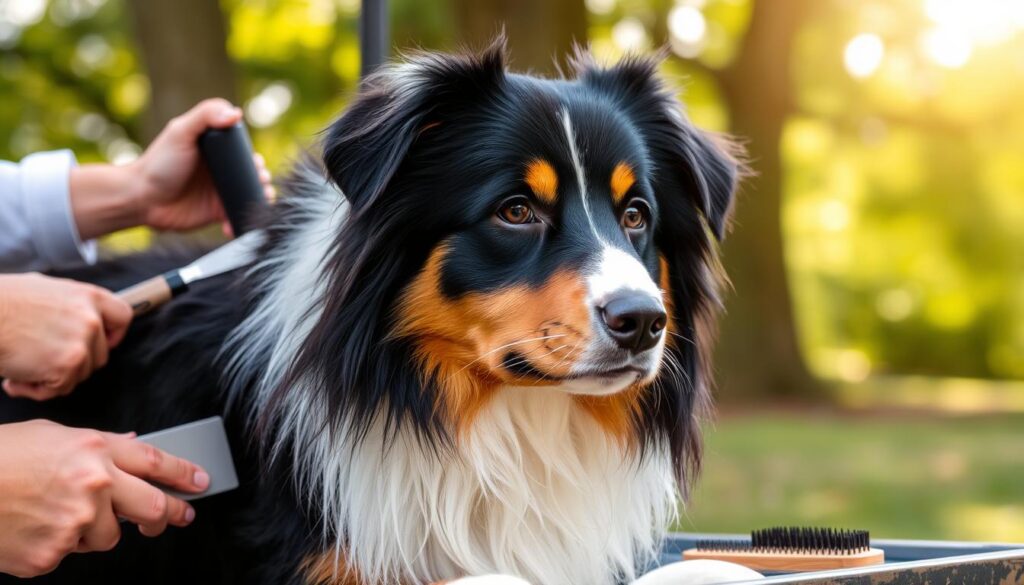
point(37, 228)
point(64, 490)
point(51, 209)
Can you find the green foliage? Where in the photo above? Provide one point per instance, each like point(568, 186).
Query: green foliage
point(904, 197)
point(69, 77)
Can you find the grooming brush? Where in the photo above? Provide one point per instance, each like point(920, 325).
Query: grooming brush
point(792, 549)
point(228, 155)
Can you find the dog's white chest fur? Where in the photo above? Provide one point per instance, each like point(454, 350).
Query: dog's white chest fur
point(537, 489)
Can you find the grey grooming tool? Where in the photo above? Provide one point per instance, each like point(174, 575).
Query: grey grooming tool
point(204, 443)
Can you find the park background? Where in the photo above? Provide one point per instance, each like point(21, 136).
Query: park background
point(871, 365)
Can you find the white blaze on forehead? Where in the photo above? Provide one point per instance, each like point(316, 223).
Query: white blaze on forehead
point(577, 165)
point(616, 271)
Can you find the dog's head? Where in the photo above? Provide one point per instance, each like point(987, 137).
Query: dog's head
point(506, 230)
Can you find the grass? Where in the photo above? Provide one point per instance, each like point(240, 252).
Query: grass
point(899, 477)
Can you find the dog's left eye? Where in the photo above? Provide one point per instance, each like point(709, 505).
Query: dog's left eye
point(635, 216)
point(517, 211)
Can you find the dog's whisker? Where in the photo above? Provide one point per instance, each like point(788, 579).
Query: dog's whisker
point(550, 352)
point(524, 359)
point(514, 343)
point(568, 354)
point(677, 369)
point(683, 337)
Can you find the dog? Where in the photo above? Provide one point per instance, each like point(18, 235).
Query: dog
point(474, 342)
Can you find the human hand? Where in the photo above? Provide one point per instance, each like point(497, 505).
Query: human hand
point(65, 488)
point(55, 332)
point(176, 191)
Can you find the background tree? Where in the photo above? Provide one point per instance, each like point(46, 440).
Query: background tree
point(184, 50)
point(540, 32)
point(759, 353)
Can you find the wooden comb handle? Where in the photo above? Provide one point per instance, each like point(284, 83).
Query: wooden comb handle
point(150, 294)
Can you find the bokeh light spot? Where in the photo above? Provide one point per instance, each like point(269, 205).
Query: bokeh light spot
point(947, 47)
point(268, 105)
point(853, 365)
point(863, 55)
point(895, 304)
point(687, 24)
point(600, 6)
point(629, 34)
point(834, 215)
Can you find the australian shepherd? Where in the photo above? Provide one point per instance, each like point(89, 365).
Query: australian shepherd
point(475, 341)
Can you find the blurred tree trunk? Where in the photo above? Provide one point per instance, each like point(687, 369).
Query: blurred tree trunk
point(540, 32)
point(184, 49)
point(759, 354)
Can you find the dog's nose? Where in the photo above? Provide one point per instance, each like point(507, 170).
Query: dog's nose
point(635, 321)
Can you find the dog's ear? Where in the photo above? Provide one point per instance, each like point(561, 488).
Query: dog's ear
point(688, 161)
point(364, 147)
point(709, 168)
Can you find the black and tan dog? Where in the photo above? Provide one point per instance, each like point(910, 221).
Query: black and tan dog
point(473, 343)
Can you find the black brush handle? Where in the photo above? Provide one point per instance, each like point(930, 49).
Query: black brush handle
point(228, 155)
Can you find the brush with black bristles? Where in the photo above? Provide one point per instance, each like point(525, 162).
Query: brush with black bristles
point(792, 549)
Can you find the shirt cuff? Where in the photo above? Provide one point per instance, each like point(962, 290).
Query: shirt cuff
point(45, 186)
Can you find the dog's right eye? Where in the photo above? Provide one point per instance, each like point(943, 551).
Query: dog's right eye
point(517, 211)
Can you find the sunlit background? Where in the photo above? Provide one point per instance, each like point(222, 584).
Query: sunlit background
point(872, 363)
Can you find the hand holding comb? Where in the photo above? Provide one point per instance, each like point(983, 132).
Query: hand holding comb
point(227, 153)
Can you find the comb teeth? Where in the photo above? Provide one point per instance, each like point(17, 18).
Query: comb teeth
point(791, 539)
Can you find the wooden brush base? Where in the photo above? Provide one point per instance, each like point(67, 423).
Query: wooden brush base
point(790, 562)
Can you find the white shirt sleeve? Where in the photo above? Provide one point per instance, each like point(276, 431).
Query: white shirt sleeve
point(37, 228)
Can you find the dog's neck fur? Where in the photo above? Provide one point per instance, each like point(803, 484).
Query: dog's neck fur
point(535, 488)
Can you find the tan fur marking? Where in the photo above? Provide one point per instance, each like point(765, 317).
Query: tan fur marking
point(463, 342)
point(616, 413)
point(543, 180)
point(622, 180)
point(666, 299)
point(665, 283)
point(326, 569)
